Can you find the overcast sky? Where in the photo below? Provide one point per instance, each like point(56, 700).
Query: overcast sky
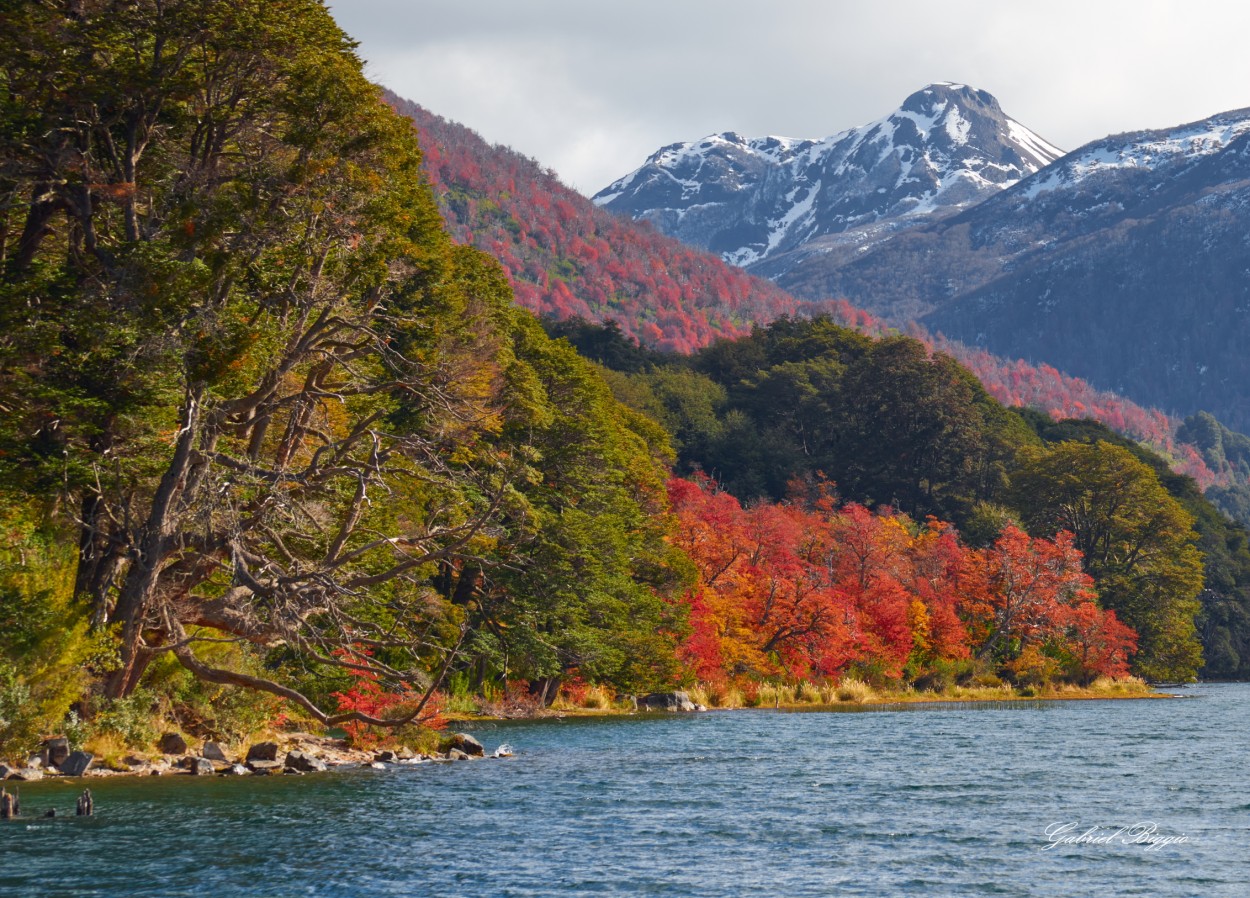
point(590, 88)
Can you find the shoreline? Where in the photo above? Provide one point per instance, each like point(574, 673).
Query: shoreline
point(309, 753)
point(282, 754)
point(885, 700)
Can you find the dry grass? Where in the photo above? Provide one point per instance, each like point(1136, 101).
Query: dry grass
point(978, 693)
point(810, 693)
point(1122, 686)
point(716, 695)
point(774, 695)
point(699, 695)
point(595, 698)
point(805, 693)
point(598, 698)
point(853, 690)
point(109, 750)
point(460, 706)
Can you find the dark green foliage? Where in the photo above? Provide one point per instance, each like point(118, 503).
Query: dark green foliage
point(1227, 454)
point(604, 343)
point(577, 584)
point(269, 401)
point(889, 422)
point(1138, 543)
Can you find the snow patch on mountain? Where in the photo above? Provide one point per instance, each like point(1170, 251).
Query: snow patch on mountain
point(1042, 151)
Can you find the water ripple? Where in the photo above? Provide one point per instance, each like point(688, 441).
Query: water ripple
point(929, 801)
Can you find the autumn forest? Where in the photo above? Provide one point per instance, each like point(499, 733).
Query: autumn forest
point(283, 439)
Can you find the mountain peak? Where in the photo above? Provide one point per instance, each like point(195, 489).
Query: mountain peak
point(943, 92)
point(948, 146)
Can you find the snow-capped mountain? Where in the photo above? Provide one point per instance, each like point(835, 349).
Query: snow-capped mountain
point(947, 147)
point(1126, 262)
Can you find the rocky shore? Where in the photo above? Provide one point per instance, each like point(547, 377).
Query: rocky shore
point(290, 753)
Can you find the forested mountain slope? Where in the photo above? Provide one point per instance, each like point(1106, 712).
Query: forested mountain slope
point(801, 408)
point(567, 258)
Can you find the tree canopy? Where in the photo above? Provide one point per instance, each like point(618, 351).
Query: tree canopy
point(1138, 543)
point(274, 405)
point(896, 426)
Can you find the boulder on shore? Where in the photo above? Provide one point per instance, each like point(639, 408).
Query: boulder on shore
point(264, 766)
point(666, 701)
point(303, 762)
point(172, 744)
point(77, 764)
point(201, 767)
point(465, 743)
point(214, 752)
point(263, 751)
point(54, 751)
point(455, 754)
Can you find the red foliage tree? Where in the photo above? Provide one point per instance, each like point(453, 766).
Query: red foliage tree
point(1097, 642)
point(806, 588)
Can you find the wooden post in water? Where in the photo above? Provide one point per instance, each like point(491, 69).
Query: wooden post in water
point(8, 805)
point(86, 805)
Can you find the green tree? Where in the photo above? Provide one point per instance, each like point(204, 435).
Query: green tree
point(1138, 542)
point(914, 433)
point(45, 646)
point(578, 574)
point(275, 404)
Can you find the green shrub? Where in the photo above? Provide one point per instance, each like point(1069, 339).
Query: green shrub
point(873, 672)
point(46, 651)
point(134, 719)
point(19, 725)
point(210, 710)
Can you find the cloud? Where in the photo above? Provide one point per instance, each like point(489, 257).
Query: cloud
point(590, 89)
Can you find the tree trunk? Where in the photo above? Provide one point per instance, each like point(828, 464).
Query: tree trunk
point(546, 689)
point(38, 217)
point(142, 580)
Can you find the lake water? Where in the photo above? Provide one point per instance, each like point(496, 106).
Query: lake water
point(953, 801)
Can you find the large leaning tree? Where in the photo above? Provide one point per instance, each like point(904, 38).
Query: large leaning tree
point(237, 351)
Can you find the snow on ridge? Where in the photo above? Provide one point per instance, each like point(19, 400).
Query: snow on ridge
point(924, 123)
point(793, 214)
point(1201, 139)
point(942, 149)
point(1146, 151)
point(617, 188)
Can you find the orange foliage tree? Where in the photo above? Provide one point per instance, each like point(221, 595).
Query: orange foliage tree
point(807, 588)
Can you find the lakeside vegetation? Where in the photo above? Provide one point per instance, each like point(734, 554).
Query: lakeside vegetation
point(805, 695)
point(276, 452)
